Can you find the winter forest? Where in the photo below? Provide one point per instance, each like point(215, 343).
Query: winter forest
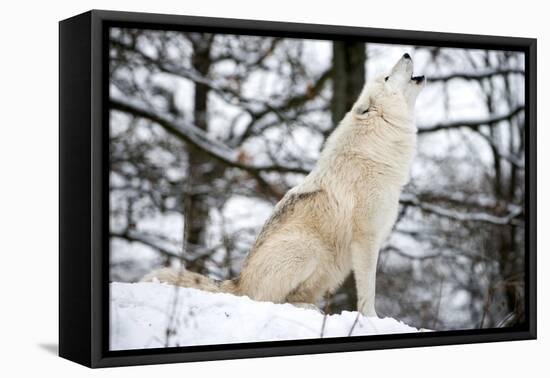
point(208, 131)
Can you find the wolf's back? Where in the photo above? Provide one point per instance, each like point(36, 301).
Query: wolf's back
point(184, 278)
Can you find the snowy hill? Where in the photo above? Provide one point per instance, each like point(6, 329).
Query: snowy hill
point(141, 313)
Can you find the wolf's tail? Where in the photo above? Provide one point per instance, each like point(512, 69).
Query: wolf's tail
point(184, 278)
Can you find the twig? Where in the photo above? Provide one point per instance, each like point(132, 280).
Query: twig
point(354, 323)
point(170, 327)
point(436, 317)
point(325, 315)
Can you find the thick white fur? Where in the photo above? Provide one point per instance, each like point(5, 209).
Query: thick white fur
point(337, 218)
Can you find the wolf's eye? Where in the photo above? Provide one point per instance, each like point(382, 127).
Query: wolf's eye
point(386, 78)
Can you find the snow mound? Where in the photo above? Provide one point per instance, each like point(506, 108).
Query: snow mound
point(141, 314)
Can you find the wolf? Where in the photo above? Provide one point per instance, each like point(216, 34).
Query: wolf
point(335, 221)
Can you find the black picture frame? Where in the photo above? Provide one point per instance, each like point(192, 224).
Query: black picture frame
point(83, 195)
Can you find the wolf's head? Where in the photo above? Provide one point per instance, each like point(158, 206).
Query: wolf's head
point(392, 96)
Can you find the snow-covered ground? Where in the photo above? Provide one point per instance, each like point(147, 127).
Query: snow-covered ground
point(141, 313)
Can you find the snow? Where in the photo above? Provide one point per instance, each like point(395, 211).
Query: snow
point(141, 313)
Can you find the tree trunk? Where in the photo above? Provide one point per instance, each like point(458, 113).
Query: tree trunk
point(348, 63)
point(202, 170)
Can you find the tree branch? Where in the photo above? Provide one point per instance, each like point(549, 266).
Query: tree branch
point(408, 199)
point(514, 160)
point(189, 133)
point(402, 253)
point(474, 75)
point(133, 237)
point(472, 124)
point(257, 109)
point(145, 241)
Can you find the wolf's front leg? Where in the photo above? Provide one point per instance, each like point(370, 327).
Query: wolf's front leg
point(364, 260)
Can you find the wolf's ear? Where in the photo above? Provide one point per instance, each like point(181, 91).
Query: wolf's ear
point(362, 110)
point(363, 103)
point(361, 107)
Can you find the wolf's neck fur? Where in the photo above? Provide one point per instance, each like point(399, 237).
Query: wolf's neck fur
point(370, 143)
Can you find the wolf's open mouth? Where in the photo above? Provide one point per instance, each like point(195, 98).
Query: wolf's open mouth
point(418, 79)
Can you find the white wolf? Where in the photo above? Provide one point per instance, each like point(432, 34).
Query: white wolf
point(337, 218)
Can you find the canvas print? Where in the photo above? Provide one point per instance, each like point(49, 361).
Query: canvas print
point(265, 188)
